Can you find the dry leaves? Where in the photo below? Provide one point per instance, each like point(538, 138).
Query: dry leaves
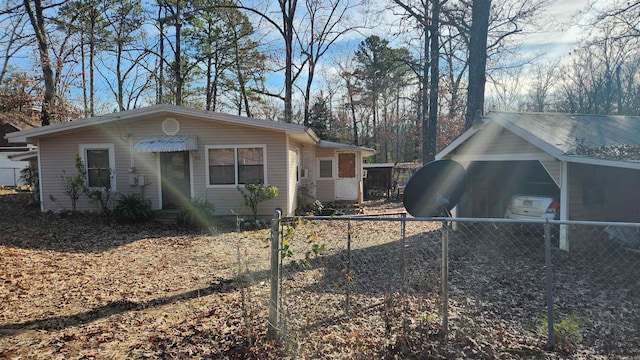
point(75, 287)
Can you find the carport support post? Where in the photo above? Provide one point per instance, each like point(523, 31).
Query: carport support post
point(445, 278)
point(549, 282)
point(274, 300)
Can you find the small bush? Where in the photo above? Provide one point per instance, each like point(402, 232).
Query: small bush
point(30, 176)
point(255, 193)
point(567, 333)
point(133, 208)
point(197, 214)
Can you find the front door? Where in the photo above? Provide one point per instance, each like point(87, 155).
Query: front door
point(176, 182)
point(347, 183)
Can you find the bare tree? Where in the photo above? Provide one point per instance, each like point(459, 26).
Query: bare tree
point(124, 68)
point(544, 76)
point(327, 24)
point(625, 15)
point(13, 38)
point(347, 73)
point(286, 28)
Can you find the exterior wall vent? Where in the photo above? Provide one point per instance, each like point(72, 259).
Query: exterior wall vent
point(170, 126)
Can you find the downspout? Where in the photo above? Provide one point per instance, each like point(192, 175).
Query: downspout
point(40, 179)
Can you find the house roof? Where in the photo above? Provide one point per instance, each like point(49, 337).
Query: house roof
point(366, 152)
point(298, 132)
point(571, 137)
point(378, 165)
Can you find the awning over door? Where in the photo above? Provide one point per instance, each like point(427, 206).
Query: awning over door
point(167, 143)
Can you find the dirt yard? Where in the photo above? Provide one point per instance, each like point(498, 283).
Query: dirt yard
point(74, 286)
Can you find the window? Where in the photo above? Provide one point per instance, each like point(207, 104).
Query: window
point(236, 165)
point(325, 168)
point(99, 164)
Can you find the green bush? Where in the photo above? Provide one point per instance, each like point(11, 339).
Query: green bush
point(197, 214)
point(255, 193)
point(133, 208)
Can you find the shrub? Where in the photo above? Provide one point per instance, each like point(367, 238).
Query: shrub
point(133, 208)
point(198, 214)
point(74, 186)
point(255, 193)
point(30, 176)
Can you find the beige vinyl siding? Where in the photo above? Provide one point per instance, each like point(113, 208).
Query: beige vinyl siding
point(499, 142)
point(58, 153)
point(554, 169)
point(307, 164)
point(228, 198)
point(295, 166)
point(618, 197)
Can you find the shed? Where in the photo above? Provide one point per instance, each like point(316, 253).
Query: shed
point(378, 180)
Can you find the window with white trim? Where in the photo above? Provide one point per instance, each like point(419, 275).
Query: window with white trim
point(99, 165)
point(236, 165)
point(325, 168)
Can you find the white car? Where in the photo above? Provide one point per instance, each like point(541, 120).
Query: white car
point(523, 206)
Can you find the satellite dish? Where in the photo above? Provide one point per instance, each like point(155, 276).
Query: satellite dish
point(434, 189)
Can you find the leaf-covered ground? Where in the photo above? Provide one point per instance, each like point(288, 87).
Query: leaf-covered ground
point(74, 286)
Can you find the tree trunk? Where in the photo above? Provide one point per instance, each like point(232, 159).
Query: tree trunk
point(243, 88)
point(477, 60)
point(435, 82)
point(288, 8)
point(160, 84)
point(424, 97)
point(352, 107)
point(36, 16)
point(92, 56)
point(178, 56)
point(85, 96)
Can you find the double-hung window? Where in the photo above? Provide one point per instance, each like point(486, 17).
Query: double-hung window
point(236, 165)
point(99, 165)
point(325, 168)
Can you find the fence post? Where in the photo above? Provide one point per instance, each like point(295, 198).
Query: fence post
point(274, 301)
point(549, 282)
point(445, 278)
point(348, 276)
point(402, 252)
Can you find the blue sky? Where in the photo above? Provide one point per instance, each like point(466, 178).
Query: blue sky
point(559, 34)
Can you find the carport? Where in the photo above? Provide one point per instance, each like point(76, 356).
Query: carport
point(592, 162)
point(490, 184)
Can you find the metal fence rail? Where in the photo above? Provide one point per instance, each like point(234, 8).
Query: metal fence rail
point(394, 285)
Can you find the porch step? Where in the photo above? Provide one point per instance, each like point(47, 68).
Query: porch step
point(166, 216)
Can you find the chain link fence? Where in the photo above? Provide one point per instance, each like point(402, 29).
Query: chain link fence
point(393, 286)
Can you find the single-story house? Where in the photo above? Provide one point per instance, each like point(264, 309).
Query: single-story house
point(591, 161)
point(170, 154)
point(10, 168)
